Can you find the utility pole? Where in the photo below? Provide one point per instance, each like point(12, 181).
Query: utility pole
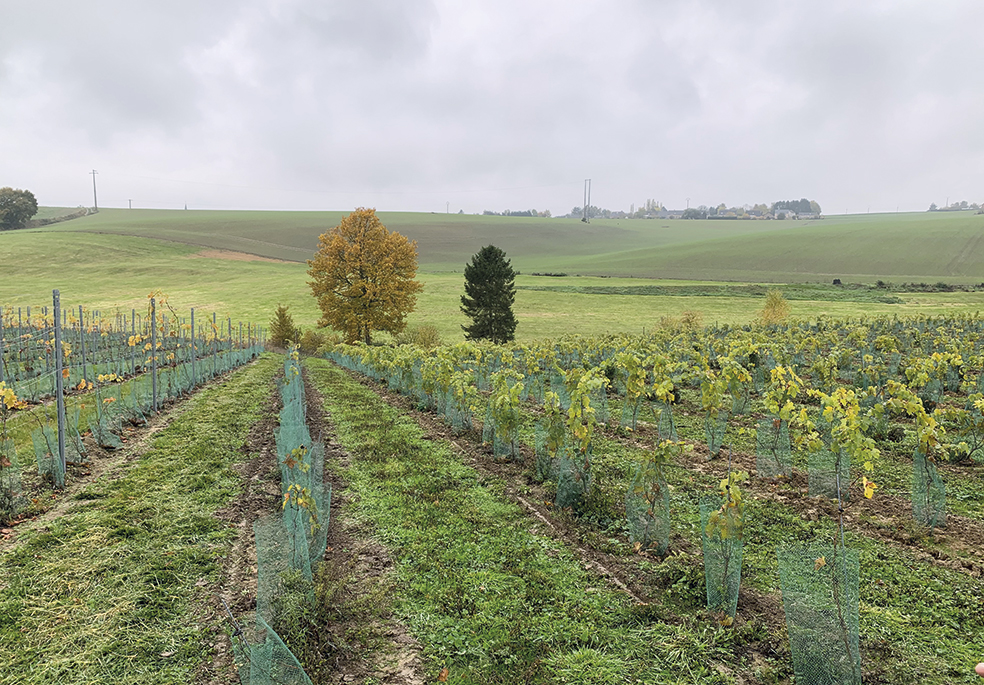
point(95, 202)
point(447, 207)
point(131, 203)
point(688, 203)
point(587, 200)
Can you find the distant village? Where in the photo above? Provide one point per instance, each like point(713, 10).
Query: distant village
point(653, 209)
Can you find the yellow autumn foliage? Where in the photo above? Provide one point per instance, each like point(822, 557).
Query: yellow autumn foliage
point(363, 277)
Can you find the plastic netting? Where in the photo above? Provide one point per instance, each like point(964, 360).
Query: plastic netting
point(291, 543)
point(715, 426)
point(302, 473)
point(722, 561)
point(459, 413)
point(105, 430)
point(773, 455)
point(665, 425)
point(573, 477)
point(647, 508)
point(558, 386)
point(928, 492)
point(820, 599)
point(262, 658)
point(826, 466)
point(488, 425)
point(505, 440)
point(10, 482)
point(544, 463)
point(50, 467)
point(277, 552)
point(630, 412)
point(534, 385)
point(599, 400)
point(740, 400)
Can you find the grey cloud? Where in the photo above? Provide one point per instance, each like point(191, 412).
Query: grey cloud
point(406, 102)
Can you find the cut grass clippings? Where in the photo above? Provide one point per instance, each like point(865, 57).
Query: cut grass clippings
point(114, 592)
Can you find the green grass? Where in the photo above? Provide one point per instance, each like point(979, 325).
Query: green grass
point(833, 293)
point(109, 593)
point(894, 247)
point(54, 212)
point(487, 598)
point(920, 622)
point(916, 246)
point(445, 241)
point(94, 269)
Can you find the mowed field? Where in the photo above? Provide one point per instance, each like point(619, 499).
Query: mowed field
point(918, 246)
point(242, 264)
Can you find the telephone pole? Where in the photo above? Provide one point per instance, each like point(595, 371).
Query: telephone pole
point(95, 202)
point(587, 200)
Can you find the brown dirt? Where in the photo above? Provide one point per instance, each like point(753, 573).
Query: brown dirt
point(886, 518)
point(395, 656)
point(260, 495)
point(370, 644)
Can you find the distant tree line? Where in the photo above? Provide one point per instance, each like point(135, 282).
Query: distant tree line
point(652, 209)
point(523, 212)
point(963, 205)
point(801, 206)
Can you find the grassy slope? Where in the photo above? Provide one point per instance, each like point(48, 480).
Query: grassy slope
point(918, 246)
point(108, 593)
point(905, 247)
point(444, 241)
point(53, 212)
point(95, 270)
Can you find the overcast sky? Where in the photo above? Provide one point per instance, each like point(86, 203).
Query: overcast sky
point(504, 104)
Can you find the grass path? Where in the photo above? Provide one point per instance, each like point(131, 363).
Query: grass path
point(487, 598)
point(116, 591)
point(919, 615)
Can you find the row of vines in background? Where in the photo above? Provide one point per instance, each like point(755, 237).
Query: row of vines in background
point(828, 394)
point(114, 371)
point(98, 343)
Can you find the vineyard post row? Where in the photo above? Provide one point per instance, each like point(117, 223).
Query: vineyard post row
point(24, 347)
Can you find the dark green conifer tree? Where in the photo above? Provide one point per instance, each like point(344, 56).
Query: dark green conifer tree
point(489, 294)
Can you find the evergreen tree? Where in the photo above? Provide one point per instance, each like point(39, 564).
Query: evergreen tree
point(489, 295)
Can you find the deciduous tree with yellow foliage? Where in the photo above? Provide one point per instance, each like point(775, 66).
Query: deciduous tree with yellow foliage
point(363, 277)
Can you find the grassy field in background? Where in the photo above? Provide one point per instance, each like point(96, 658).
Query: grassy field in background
point(445, 241)
point(107, 272)
point(53, 212)
point(913, 247)
point(916, 246)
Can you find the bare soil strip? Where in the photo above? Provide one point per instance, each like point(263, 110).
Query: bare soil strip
point(368, 643)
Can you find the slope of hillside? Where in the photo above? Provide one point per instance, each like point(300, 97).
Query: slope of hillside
point(445, 242)
point(898, 248)
point(919, 246)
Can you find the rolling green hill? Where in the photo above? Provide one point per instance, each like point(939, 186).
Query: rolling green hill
point(107, 272)
point(915, 247)
point(895, 247)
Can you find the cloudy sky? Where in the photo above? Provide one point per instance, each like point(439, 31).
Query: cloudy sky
point(427, 105)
